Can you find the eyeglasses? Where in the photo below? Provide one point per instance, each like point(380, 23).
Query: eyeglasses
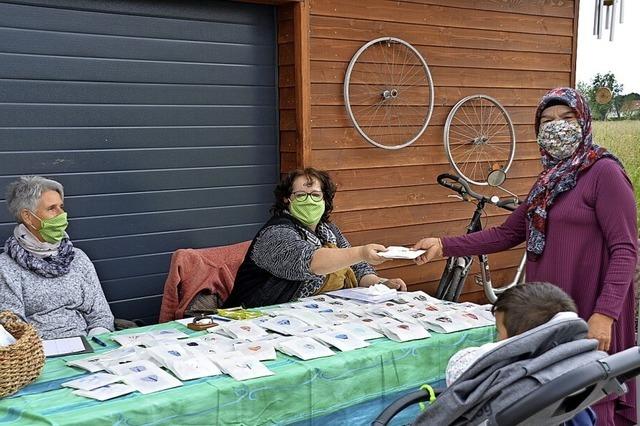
point(302, 196)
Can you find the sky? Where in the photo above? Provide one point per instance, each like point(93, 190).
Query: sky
point(621, 56)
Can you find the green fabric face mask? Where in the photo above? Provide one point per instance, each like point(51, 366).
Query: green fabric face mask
point(52, 230)
point(308, 211)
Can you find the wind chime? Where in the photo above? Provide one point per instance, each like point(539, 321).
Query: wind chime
point(609, 8)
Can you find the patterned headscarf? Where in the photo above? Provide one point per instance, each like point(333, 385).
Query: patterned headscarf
point(559, 176)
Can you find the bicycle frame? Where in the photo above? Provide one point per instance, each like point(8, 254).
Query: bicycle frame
point(475, 225)
point(484, 279)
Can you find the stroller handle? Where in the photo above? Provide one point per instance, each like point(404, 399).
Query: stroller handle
point(400, 404)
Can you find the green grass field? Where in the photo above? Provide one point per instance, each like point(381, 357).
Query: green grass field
point(623, 139)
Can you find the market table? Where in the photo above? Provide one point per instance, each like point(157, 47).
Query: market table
point(347, 388)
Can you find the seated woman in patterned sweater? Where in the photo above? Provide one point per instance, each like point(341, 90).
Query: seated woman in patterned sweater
point(44, 279)
point(299, 252)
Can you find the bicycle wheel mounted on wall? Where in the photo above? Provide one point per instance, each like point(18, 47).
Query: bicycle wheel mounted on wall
point(479, 138)
point(388, 93)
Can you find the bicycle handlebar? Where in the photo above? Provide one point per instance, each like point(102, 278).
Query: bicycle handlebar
point(508, 204)
point(461, 186)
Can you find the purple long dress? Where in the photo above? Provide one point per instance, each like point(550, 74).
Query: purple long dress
point(590, 253)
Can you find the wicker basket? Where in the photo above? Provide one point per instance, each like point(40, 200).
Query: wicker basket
point(21, 362)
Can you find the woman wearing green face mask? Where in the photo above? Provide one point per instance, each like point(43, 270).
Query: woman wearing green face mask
point(44, 279)
point(299, 252)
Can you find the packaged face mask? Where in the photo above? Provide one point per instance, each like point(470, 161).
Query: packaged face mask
point(184, 362)
point(417, 296)
point(169, 334)
point(341, 339)
point(168, 353)
point(339, 317)
point(284, 324)
point(260, 350)
point(331, 301)
point(359, 330)
point(371, 294)
point(378, 323)
point(132, 367)
point(304, 348)
point(308, 331)
point(6, 338)
point(448, 322)
point(397, 252)
point(150, 338)
point(244, 330)
point(485, 312)
point(389, 308)
point(220, 344)
point(128, 340)
point(194, 367)
point(313, 305)
point(106, 392)
point(308, 316)
point(412, 315)
point(195, 344)
point(405, 331)
point(151, 381)
point(92, 381)
point(123, 355)
point(244, 368)
point(271, 338)
point(92, 364)
point(319, 298)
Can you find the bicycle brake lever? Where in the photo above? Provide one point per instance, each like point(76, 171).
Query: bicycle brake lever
point(459, 197)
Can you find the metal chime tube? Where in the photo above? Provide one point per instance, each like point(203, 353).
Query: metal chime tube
point(595, 18)
point(613, 19)
point(600, 7)
point(622, 11)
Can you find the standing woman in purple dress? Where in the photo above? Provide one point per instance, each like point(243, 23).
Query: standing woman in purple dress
point(579, 224)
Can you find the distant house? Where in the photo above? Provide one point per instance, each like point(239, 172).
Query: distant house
point(631, 108)
point(169, 122)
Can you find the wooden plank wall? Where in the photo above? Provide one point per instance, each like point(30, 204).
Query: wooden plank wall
point(511, 50)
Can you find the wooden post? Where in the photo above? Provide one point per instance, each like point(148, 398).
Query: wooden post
point(574, 48)
point(303, 83)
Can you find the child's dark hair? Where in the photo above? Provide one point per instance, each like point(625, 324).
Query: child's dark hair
point(285, 187)
point(532, 304)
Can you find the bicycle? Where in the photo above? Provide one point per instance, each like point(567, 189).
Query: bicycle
point(457, 268)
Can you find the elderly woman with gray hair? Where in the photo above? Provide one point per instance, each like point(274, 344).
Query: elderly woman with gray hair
point(44, 279)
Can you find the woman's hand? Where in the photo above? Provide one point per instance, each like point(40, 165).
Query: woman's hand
point(396, 283)
point(600, 328)
point(369, 253)
point(433, 246)
point(371, 279)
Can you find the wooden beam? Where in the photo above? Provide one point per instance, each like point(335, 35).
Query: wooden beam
point(574, 54)
point(271, 2)
point(302, 65)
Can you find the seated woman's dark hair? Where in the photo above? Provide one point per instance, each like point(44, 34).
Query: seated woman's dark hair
point(285, 188)
point(531, 304)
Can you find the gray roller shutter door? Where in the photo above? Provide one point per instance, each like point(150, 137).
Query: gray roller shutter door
point(160, 118)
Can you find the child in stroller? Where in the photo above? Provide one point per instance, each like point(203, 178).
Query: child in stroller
point(544, 376)
point(518, 310)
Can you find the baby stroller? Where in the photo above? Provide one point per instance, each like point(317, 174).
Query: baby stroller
point(544, 376)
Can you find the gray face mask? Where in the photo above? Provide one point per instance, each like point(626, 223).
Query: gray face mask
point(560, 138)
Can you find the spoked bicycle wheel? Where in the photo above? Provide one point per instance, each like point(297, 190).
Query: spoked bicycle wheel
point(479, 138)
point(388, 93)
